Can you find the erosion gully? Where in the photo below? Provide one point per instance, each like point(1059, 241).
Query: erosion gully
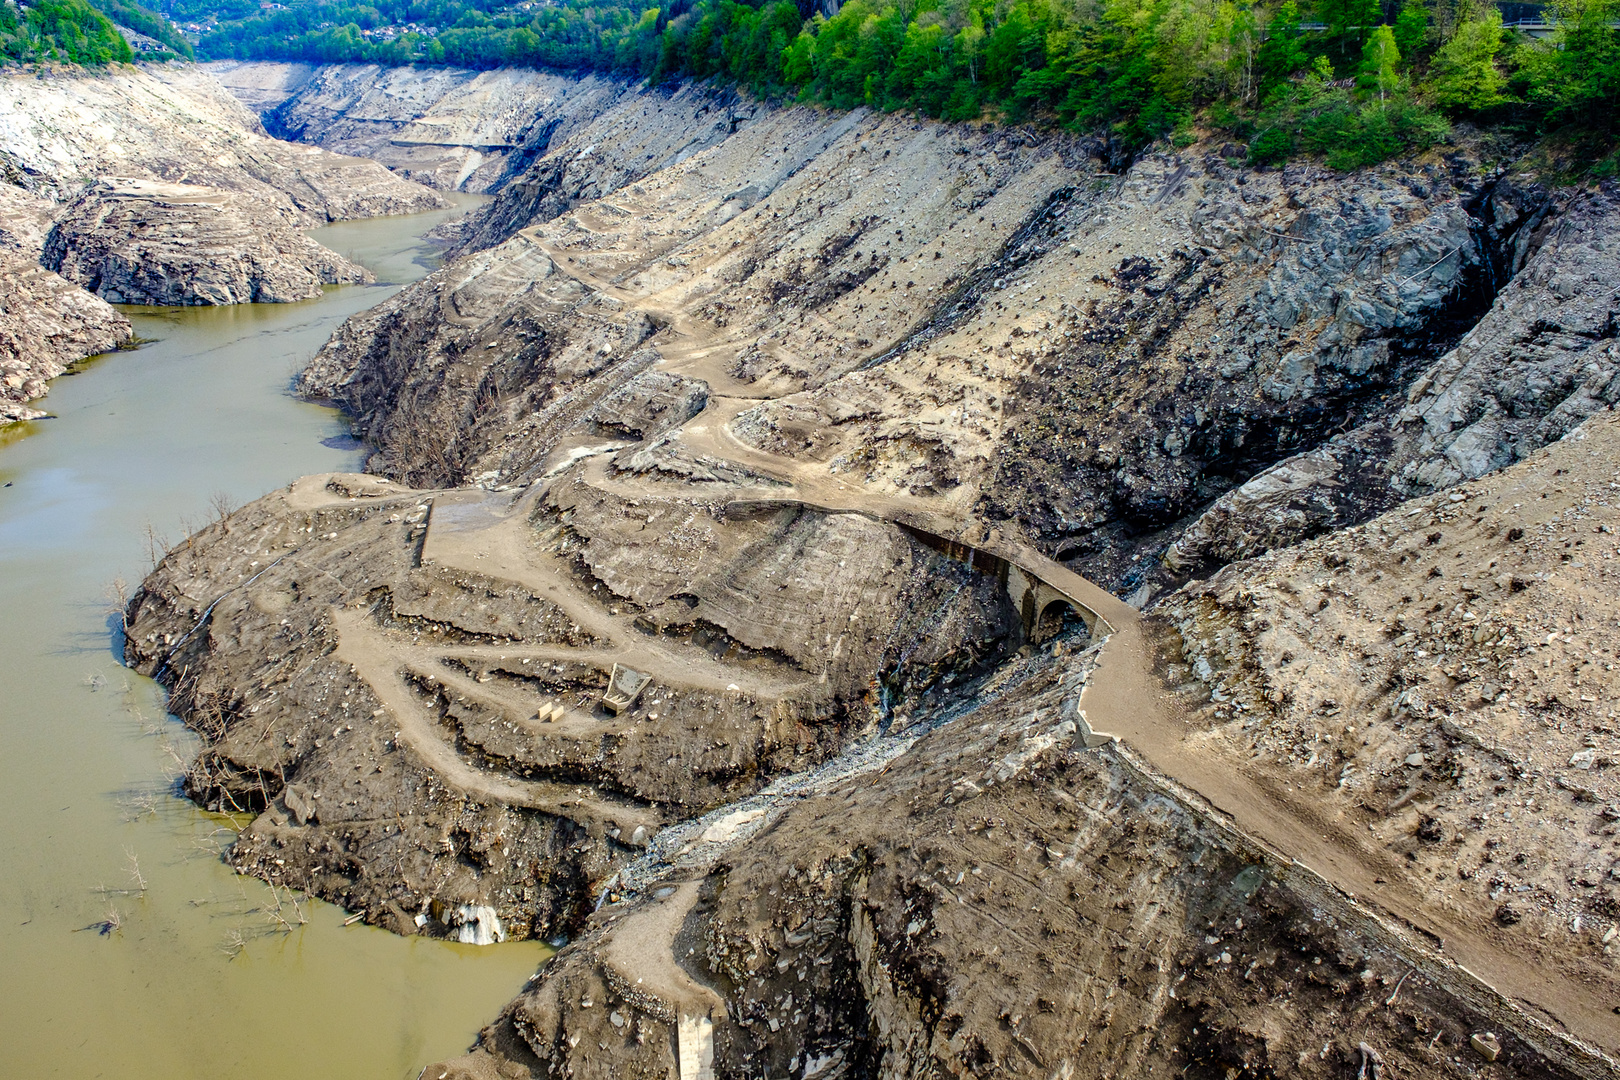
point(127, 947)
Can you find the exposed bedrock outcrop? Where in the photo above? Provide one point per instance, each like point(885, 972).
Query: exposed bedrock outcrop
point(46, 323)
point(144, 242)
point(980, 316)
point(1540, 361)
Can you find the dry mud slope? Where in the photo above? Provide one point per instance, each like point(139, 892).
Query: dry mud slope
point(62, 128)
point(824, 422)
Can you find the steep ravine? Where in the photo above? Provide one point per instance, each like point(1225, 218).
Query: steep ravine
point(787, 410)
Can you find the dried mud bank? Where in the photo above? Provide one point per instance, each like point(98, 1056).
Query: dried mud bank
point(154, 186)
point(771, 405)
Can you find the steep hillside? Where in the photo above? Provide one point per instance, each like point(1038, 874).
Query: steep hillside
point(850, 432)
point(143, 242)
point(984, 316)
point(174, 123)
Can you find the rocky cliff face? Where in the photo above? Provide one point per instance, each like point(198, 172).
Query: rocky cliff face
point(812, 418)
point(46, 323)
point(143, 242)
point(1539, 362)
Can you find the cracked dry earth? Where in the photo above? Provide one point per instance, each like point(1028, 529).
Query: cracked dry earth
point(849, 431)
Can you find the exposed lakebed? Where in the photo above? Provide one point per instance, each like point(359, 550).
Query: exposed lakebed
point(198, 980)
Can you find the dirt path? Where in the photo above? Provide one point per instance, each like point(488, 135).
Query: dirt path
point(376, 661)
point(497, 545)
point(1124, 697)
point(641, 952)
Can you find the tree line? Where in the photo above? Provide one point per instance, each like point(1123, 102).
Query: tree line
point(77, 32)
point(65, 31)
point(1355, 81)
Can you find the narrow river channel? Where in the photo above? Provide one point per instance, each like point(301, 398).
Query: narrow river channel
point(188, 976)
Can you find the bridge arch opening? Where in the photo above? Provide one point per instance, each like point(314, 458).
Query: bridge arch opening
point(1055, 618)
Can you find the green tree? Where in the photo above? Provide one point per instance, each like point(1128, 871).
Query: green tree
point(1575, 76)
point(1411, 27)
point(1283, 52)
point(1349, 24)
point(1379, 58)
point(72, 30)
point(1463, 73)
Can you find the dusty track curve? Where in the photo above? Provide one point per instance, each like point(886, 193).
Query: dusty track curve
point(1125, 696)
point(487, 534)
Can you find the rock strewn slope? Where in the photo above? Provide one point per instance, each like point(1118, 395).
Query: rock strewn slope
point(1002, 901)
point(46, 323)
point(981, 318)
point(1441, 680)
point(142, 242)
point(675, 257)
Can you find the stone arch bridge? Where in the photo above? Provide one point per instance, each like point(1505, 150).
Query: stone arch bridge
point(1042, 591)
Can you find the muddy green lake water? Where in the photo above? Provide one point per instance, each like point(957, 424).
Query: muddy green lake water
point(196, 979)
